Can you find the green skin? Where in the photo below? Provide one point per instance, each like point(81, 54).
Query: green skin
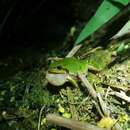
point(66, 70)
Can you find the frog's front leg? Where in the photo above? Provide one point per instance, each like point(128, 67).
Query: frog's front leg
point(71, 80)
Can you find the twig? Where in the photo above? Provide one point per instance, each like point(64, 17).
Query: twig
point(119, 87)
point(121, 95)
point(71, 124)
point(84, 100)
point(99, 103)
point(39, 120)
point(98, 109)
point(54, 58)
point(107, 92)
point(88, 86)
point(74, 50)
point(98, 100)
point(91, 51)
point(103, 106)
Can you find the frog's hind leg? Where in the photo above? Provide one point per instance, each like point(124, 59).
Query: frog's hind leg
point(94, 69)
point(70, 79)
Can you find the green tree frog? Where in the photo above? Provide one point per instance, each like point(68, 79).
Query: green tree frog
point(67, 70)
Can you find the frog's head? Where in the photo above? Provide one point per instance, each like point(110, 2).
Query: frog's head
point(65, 70)
point(56, 75)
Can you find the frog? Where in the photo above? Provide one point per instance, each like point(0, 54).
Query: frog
point(68, 70)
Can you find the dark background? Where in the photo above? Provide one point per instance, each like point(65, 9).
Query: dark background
point(41, 23)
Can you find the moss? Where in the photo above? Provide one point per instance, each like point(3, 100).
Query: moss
point(39, 96)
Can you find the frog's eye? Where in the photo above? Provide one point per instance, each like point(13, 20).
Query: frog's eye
point(59, 67)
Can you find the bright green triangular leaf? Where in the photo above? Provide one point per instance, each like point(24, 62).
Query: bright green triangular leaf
point(104, 13)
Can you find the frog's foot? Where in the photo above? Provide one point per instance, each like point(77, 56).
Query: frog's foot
point(70, 79)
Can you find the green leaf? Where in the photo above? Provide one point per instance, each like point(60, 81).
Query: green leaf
point(104, 13)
